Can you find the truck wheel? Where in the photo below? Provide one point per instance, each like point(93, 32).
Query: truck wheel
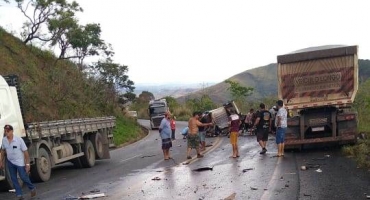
point(7, 184)
point(88, 160)
point(97, 141)
point(41, 170)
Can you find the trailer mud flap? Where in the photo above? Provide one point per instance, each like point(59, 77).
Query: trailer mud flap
point(342, 139)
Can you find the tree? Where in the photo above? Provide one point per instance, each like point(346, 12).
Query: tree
point(145, 97)
point(43, 12)
point(238, 92)
point(114, 75)
point(130, 96)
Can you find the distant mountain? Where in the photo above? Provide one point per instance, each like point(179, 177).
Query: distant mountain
point(262, 79)
point(170, 89)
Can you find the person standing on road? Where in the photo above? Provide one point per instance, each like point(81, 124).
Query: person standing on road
point(165, 133)
point(273, 114)
point(234, 122)
point(205, 118)
point(263, 125)
point(17, 160)
point(193, 134)
point(173, 127)
point(281, 126)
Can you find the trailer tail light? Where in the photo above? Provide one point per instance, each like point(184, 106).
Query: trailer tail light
point(347, 117)
point(350, 117)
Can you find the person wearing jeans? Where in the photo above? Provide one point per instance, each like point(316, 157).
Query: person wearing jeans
point(281, 126)
point(17, 159)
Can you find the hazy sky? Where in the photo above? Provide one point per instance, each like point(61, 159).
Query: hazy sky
point(199, 41)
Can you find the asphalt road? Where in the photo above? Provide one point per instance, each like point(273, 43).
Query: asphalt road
point(129, 173)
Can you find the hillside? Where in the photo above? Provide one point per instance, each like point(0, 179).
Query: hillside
point(262, 79)
point(51, 90)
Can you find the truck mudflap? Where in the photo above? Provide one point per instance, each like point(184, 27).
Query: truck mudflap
point(343, 139)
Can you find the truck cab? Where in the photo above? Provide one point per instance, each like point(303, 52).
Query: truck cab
point(157, 109)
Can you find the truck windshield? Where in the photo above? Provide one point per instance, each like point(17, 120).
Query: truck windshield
point(157, 110)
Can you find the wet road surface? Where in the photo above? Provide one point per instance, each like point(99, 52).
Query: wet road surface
point(129, 173)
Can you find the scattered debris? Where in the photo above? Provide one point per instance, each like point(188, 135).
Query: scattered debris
point(158, 171)
point(265, 189)
point(156, 179)
point(12, 191)
point(248, 169)
point(209, 145)
point(254, 188)
point(328, 156)
point(286, 185)
point(92, 196)
point(306, 195)
point(292, 173)
point(231, 197)
point(303, 168)
point(179, 145)
point(319, 170)
point(203, 169)
point(186, 163)
point(281, 178)
point(316, 166)
point(148, 156)
point(95, 191)
point(368, 197)
point(70, 197)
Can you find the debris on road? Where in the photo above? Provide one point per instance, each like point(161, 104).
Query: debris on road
point(318, 158)
point(12, 191)
point(328, 156)
point(156, 179)
point(231, 197)
point(92, 196)
point(70, 197)
point(303, 168)
point(254, 188)
point(148, 156)
point(179, 145)
point(209, 145)
point(247, 169)
point(95, 191)
point(316, 166)
point(368, 197)
point(186, 163)
point(319, 170)
point(306, 195)
point(203, 169)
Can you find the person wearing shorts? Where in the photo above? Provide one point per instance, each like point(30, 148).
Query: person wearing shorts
point(234, 122)
point(281, 126)
point(165, 133)
point(193, 134)
point(263, 125)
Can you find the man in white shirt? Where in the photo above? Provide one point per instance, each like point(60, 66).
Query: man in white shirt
point(281, 126)
point(17, 159)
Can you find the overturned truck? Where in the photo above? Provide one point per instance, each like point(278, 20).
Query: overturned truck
point(319, 84)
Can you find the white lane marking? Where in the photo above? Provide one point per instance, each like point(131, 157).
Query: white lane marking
point(267, 194)
point(130, 158)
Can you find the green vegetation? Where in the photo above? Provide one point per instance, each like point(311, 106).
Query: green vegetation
point(55, 88)
point(127, 131)
point(361, 151)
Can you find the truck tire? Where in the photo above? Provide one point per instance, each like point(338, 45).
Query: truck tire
point(41, 170)
point(7, 184)
point(88, 159)
point(97, 141)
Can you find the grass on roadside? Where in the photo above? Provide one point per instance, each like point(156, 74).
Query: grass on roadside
point(127, 131)
point(360, 152)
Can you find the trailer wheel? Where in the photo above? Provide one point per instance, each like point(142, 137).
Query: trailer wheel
point(88, 159)
point(97, 141)
point(41, 170)
point(7, 184)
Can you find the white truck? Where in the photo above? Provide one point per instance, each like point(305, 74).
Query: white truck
point(80, 141)
point(220, 116)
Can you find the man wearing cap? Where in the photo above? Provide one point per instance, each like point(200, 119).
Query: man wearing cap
point(17, 159)
point(165, 133)
point(281, 126)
